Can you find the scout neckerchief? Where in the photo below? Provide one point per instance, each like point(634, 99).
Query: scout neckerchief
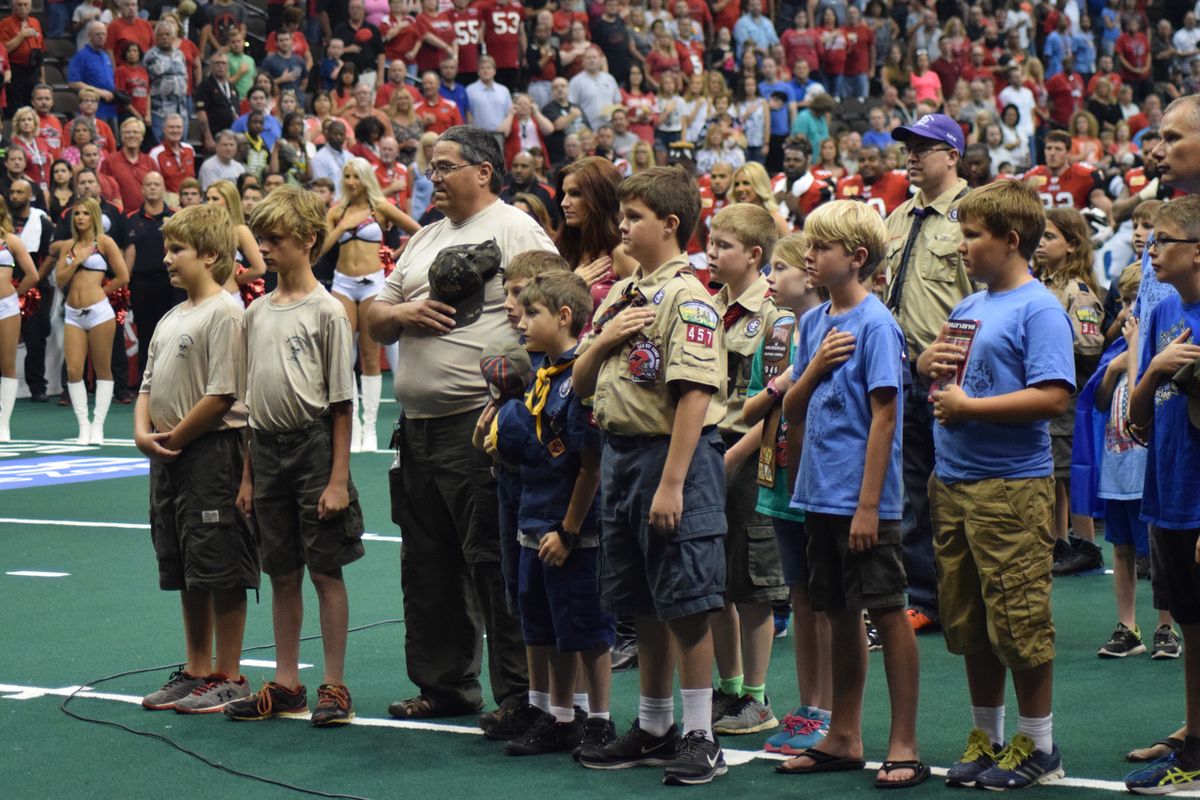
point(535, 401)
point(631, 297)
point(772, 452)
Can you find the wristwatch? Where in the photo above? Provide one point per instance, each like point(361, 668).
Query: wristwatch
point(569, 539)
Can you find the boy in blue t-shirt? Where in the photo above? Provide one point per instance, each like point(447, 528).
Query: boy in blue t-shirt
point(992, 494)
point(1170, 503)
point(849, 369)
point(552, 436)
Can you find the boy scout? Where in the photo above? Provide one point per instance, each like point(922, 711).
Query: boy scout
point(923, 279)
point(654, 366)
point(739, 245)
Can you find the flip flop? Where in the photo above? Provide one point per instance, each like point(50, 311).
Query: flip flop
point(920, 774)
point(1173, 745)
point(823, 762)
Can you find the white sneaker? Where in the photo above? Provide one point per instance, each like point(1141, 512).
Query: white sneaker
point(96, 435)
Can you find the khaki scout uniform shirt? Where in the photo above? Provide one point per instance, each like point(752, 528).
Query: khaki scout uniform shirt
point(1086, 313)
point(742, 340)
point(936, 280)
point(683, 343)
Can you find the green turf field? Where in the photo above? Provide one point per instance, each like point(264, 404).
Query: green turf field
point(107, 616)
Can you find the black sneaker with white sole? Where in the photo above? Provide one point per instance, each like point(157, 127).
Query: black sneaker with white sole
point(698, 759)
point(635, 749)
point(516, 723)
point(549, 736)
point(597, 733)
point(1123, 642)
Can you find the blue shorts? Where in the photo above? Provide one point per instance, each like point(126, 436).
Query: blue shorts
point(645, 573)
point(560, 606)
point(1123, 525)
point(793, 550)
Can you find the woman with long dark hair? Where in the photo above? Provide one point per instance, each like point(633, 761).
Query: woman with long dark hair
point(589, 238)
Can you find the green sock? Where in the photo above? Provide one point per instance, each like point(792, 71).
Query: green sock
point(731, 686)
point(759, 693)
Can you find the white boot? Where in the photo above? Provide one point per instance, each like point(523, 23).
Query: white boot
point(104, 393)
point(372, 388)
point(78, 394)
point(355, 424)
point(8, 397)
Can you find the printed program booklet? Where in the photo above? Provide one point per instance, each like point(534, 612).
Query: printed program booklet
point(959, 332)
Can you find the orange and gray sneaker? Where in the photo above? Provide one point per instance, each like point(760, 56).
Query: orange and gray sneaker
point(272, 700)
point(922, 621)
point(333, 706)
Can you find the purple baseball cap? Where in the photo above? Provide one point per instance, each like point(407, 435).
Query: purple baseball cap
point(938, 127)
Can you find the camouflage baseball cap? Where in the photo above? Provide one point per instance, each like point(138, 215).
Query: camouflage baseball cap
point(459, 275)
point(507, 370)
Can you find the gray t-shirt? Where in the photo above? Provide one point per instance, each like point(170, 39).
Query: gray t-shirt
point(300, 360)
point(196, 351)
point(437, 375)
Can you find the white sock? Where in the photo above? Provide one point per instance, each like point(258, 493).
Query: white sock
point(8, 398)
point(104, 394)
point(540, 700)
point(581, 701)
point(697, 710)
point(656, 715)
point(1040, 729)
point(990, 721)
point(372, 389)
point(599, 715)
point(562, 714)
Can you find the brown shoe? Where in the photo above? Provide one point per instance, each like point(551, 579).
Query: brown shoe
point(425, 707)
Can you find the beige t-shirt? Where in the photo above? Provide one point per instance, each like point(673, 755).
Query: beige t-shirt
point(742, 338)
point(196, 351)
point(438, 375)
point(300, 360)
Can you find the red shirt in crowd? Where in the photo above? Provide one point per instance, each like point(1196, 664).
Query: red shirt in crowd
point(175, 165)
point(1134, 48)
point(387, 174)
point(10, 27)
point(438, 115)
point(429, 57)
point(887, 192)
point(502, 32)
point(128, 175)
point(399, 46)
point(383, 95)
point(38, 158)
point(1066, 97)
point(134, 80)
point(50, 129)
point(801, 44)
point(1113, 78)
point(860, 49)
point(138, 31)
point(1063, 191)
point(467, 25)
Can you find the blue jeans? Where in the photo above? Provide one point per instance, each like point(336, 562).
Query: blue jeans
point(58, 17)
point(854, 86)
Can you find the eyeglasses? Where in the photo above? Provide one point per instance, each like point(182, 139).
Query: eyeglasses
point(919, 153)
point(1160, 242)
point(442, 170)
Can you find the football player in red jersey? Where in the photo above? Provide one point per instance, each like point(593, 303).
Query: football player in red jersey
point(879, 187)
point(796, 189)
point(504, 37)
point(713, 198)
point(467, 22)
point(1059, 183)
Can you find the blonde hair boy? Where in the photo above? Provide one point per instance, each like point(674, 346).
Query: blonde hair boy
point(208, 230)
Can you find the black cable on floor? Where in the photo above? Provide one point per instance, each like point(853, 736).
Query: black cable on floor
point(203, 759)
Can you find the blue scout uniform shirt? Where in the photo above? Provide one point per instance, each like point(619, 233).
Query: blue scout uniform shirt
point(839, 413)
point(1024, 338)
point(1170, 498)
point(549, 465)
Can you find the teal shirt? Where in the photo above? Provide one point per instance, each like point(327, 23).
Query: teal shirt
point(776, 502)
point(812, 127)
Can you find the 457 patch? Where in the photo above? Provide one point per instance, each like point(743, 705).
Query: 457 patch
point(700, 320)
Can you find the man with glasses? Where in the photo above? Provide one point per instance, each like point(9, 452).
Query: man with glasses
point(444, 497)
point(924, 279)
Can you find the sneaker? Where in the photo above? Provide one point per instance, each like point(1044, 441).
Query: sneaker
point(921, 620)
point(874, 640)
point(1123, 642)
point(747, 715)
point(1021, 764)
point(214, 694)
point(698, 760)
point(549, 736)
point(635, 749)
point(1062, 551)
point(177, 687)
point(977, 758)
point(597, 734)
point(1166, 643)
point(333, 706)
point(720, 703)
point(272, 700)
point(517, 723)
point(1083, 556)
point(1142, 567)
point(806, 728)
point(489, 718)
point(1164, 776)
point(782, 614)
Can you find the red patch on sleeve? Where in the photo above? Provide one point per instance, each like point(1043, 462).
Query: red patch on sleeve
point(700, 335)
